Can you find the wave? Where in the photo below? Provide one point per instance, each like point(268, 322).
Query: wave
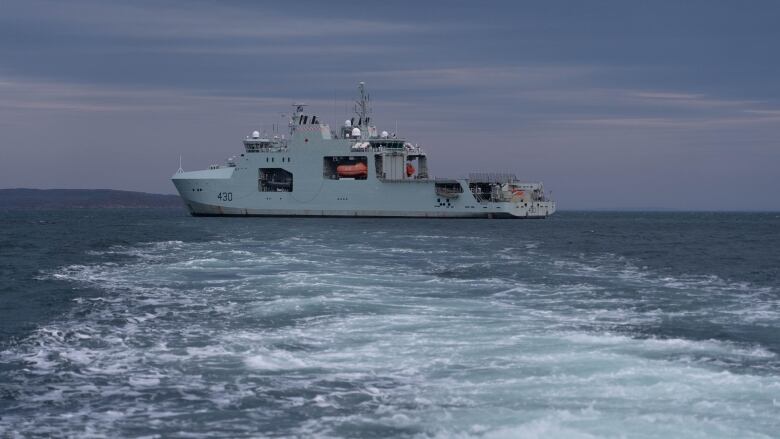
point(514, 342)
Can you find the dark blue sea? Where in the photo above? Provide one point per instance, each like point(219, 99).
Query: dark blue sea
point(151, 323)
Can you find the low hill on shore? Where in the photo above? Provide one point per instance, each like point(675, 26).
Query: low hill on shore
point(83, 198)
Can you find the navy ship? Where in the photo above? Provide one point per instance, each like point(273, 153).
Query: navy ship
point(352, 171)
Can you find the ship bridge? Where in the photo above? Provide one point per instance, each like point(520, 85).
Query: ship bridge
point(257, 143)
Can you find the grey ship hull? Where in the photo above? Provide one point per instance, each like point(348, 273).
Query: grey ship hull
point(233, 191)
point(200, 209)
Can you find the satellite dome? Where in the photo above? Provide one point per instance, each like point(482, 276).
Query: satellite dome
point(355, 132)
point(347, 123)
point(255, 134)
point(384, 134)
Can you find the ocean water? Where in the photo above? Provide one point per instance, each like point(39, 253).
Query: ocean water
point(150, 323)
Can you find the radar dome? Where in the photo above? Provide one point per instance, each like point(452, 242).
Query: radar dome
point(255, 134)
point(384, 134)
point(355, 132)
point(347, 123)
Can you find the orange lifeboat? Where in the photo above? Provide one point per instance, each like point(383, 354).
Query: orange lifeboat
point(517, 193)
point(409, 170)
point(357, 170)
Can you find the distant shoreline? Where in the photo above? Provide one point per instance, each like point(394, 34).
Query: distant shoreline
point(23, 198)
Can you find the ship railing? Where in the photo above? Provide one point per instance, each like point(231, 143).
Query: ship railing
point(404, 180)
point(412, 151)
point(492, 177)
point(358, 147)
point(273, 149)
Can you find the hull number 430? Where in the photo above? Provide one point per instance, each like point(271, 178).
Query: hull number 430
point(225, 196)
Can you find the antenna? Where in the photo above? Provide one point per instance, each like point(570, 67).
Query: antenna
point(180, 168)
point(362, 108)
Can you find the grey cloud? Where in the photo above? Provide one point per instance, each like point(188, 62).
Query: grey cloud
point(196, 20)
point(610, 110)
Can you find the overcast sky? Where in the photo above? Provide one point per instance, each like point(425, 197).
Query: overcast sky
point(612, 104)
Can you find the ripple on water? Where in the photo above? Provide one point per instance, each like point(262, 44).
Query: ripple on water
point(292, 337)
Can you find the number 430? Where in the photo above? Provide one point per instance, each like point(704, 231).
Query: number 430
point(225, 196)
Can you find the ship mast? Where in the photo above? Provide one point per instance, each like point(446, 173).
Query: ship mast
point(362, 108)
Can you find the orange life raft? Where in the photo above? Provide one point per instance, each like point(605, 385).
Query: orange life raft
point(357, 170)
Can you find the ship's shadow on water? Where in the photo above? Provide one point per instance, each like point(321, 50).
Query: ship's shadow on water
point(584, 325)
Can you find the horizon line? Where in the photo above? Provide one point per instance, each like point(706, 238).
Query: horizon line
point(604, 209)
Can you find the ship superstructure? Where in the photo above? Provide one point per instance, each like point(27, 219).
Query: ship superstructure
point(353, 171)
